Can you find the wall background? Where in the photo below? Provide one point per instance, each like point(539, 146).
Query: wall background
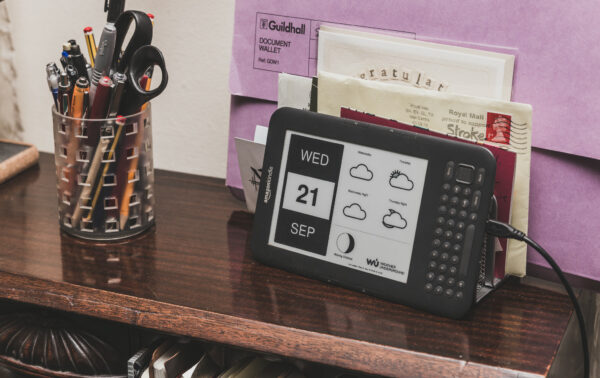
point(190, 119)
point(10, 122)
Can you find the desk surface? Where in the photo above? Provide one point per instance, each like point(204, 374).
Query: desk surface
point(194, 275)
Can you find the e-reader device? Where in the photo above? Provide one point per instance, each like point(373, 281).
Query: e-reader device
point(388, 212)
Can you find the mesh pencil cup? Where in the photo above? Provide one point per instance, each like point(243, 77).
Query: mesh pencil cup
point(105, 175)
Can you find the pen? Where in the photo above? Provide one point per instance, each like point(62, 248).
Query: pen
point(72, 73)
point(78, 105)
point(101, 100)
point(78, 61)
point(64, 55)
point(106, 46)
point(64, 88)
point(104, 56)
point(76, 110)
point(99, 107)
point(119, 80)
point(53, 74)
point(91, 44)
point(114, 9)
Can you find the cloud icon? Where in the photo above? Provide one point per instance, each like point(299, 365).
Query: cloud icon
point(394, 220)
point(399, 180)
point(355, 211)
point(362, 172)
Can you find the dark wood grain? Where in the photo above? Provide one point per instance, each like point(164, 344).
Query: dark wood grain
point(193, 275)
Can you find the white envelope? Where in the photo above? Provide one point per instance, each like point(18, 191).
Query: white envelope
point(420, 64)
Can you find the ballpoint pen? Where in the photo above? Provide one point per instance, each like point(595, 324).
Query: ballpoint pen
point(64, 89)
point(53, 74)
point(72, 73)
point(76, 110)
point(78, 105)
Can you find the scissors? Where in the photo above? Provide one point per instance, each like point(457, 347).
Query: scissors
point(137, 59)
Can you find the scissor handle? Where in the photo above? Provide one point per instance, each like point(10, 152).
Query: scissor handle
point(142, 36)
point(142, 59)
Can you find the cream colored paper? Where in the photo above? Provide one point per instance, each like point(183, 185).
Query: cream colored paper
point(456, 115)
point(427, 65)
point(294, 91)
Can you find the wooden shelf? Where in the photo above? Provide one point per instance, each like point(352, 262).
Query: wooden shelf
point(194, 275)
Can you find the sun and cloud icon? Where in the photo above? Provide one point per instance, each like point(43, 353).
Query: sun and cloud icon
point(355, 211)
point(399, 180)
point(394, 220)
point(361, 172)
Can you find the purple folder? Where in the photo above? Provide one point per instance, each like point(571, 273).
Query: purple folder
point(555, 72)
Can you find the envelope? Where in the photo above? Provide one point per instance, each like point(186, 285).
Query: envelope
point(427, 65)
point(556, 77)
point(465, 117)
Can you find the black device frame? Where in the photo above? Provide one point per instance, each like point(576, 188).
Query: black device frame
point(437, 151)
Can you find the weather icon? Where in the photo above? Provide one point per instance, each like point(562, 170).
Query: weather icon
point(394, 220)
point(355, 211)
point(399, 180)
point(361, 172)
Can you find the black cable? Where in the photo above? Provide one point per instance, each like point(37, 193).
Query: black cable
point(504, 230)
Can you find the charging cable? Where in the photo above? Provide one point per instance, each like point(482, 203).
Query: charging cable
point(503, 230)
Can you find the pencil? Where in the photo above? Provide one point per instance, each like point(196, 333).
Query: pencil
point(133, 165)
point(120, 121)
point(89, 183)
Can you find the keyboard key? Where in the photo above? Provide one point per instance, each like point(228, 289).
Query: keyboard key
point(480, 177)
point(449, 171)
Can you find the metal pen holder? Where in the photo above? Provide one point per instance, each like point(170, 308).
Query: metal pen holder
point(105, 175)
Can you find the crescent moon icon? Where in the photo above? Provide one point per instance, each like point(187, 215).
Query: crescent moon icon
point(345, 243)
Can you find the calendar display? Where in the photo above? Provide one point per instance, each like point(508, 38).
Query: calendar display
point(348, 204)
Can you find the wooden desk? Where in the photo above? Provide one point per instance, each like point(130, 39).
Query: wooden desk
point(193, 275)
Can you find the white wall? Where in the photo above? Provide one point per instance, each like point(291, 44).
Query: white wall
point(190, 119)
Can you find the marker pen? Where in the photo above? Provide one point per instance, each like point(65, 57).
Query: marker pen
point(104, 56)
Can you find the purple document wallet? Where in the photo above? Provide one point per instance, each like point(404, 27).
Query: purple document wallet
point(554, 72)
